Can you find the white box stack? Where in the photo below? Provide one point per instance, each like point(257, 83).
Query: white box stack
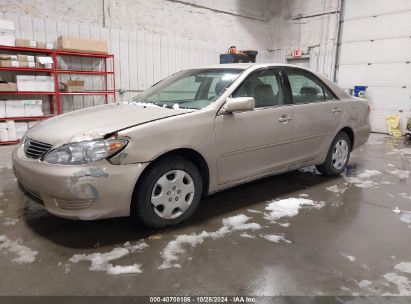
point(7, 36)
point(2, 108)
point(33, 107)
point(15, 108)
point(11, 130)
point(21, 129)
point(35, 83)
point(45, 83)
point(4, 135)
point(26, 83)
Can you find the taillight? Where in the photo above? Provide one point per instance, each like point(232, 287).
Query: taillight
point(369, 109)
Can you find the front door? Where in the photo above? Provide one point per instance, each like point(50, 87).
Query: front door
point(255, 142)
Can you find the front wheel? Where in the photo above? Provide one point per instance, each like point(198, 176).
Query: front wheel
point(337, 157)
point(167, 193)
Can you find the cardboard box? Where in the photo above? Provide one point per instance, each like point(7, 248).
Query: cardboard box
point(43, 45)
point(9, 64)
point(45, 83)
point(2, 108)
point(74, 44)
point(8, 87)
point(26, 43)
point(8, 57)
point(27, 64)
point(74, 85)
point(44, 66)
point(29, 58)
point(7, 26)
point(26, 83)
point(33, 107)
point(6, 39)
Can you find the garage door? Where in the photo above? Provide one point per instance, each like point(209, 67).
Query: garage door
point(376, 52)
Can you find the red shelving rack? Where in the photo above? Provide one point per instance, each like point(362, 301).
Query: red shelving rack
point(55, 96)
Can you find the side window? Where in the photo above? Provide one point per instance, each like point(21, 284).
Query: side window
point(264, 86)
point(306, 88)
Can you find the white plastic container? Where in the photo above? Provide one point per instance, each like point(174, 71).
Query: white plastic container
point(15, 108)
point(21, 129)
point(4, 134)
point(7, 30)
point(33, 107)
point(45, 83)
point(26, 83)
point(2, 108)
point(11, 130)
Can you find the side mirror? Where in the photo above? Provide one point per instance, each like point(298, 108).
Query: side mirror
point(239, 104)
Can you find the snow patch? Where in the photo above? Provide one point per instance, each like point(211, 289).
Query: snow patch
point(135, 268)
point(311, 170)
point(288, 207)
point(405, 195)
point(303, 195)
point(247, 235)
point(402, 283)
point(174, 248)
point(363, 180)
point(144, 104)
point(364, 283)
point(8, 221)
point(276, 238)
point(24, 255)
point(404, 267)
point(253, 211)
point(349, 257)
point(401, 174)
point(285, 225)
point(406, 218)
point(336, 190)
point(101, 261)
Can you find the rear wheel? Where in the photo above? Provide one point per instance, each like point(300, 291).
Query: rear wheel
point(167, 193)
point(337, 157)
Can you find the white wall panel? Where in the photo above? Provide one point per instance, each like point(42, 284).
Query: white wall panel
point(141, 58)
point(362, 8)
point(375, 52)
point(379, 51)
point(380, 27)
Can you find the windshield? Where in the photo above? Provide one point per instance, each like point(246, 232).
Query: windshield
point(191, 89)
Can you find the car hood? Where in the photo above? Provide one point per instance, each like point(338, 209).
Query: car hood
point(95, 122)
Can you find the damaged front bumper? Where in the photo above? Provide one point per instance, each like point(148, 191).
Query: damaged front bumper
point(90, 191)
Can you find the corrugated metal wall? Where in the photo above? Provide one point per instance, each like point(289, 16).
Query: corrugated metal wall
point(141, 58)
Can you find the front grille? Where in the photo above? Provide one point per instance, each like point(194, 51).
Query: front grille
point(35, 149)
point(33, 195)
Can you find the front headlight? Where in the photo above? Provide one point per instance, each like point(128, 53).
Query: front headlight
point(84, 152)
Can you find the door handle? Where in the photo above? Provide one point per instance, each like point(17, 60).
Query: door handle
point(285, 119)
point(336, 110)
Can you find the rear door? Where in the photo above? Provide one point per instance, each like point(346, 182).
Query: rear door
point(317, 114)
point(255, 142)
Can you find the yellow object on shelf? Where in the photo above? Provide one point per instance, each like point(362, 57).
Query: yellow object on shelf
point(393, 125)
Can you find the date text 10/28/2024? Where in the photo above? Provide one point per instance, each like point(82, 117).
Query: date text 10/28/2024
point(205, 299)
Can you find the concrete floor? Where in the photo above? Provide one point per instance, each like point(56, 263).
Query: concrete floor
point(350, 243)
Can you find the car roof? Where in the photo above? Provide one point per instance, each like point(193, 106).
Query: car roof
point(244, 66)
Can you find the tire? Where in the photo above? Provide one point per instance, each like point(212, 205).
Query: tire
point(167, 193)
point(335, 162)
